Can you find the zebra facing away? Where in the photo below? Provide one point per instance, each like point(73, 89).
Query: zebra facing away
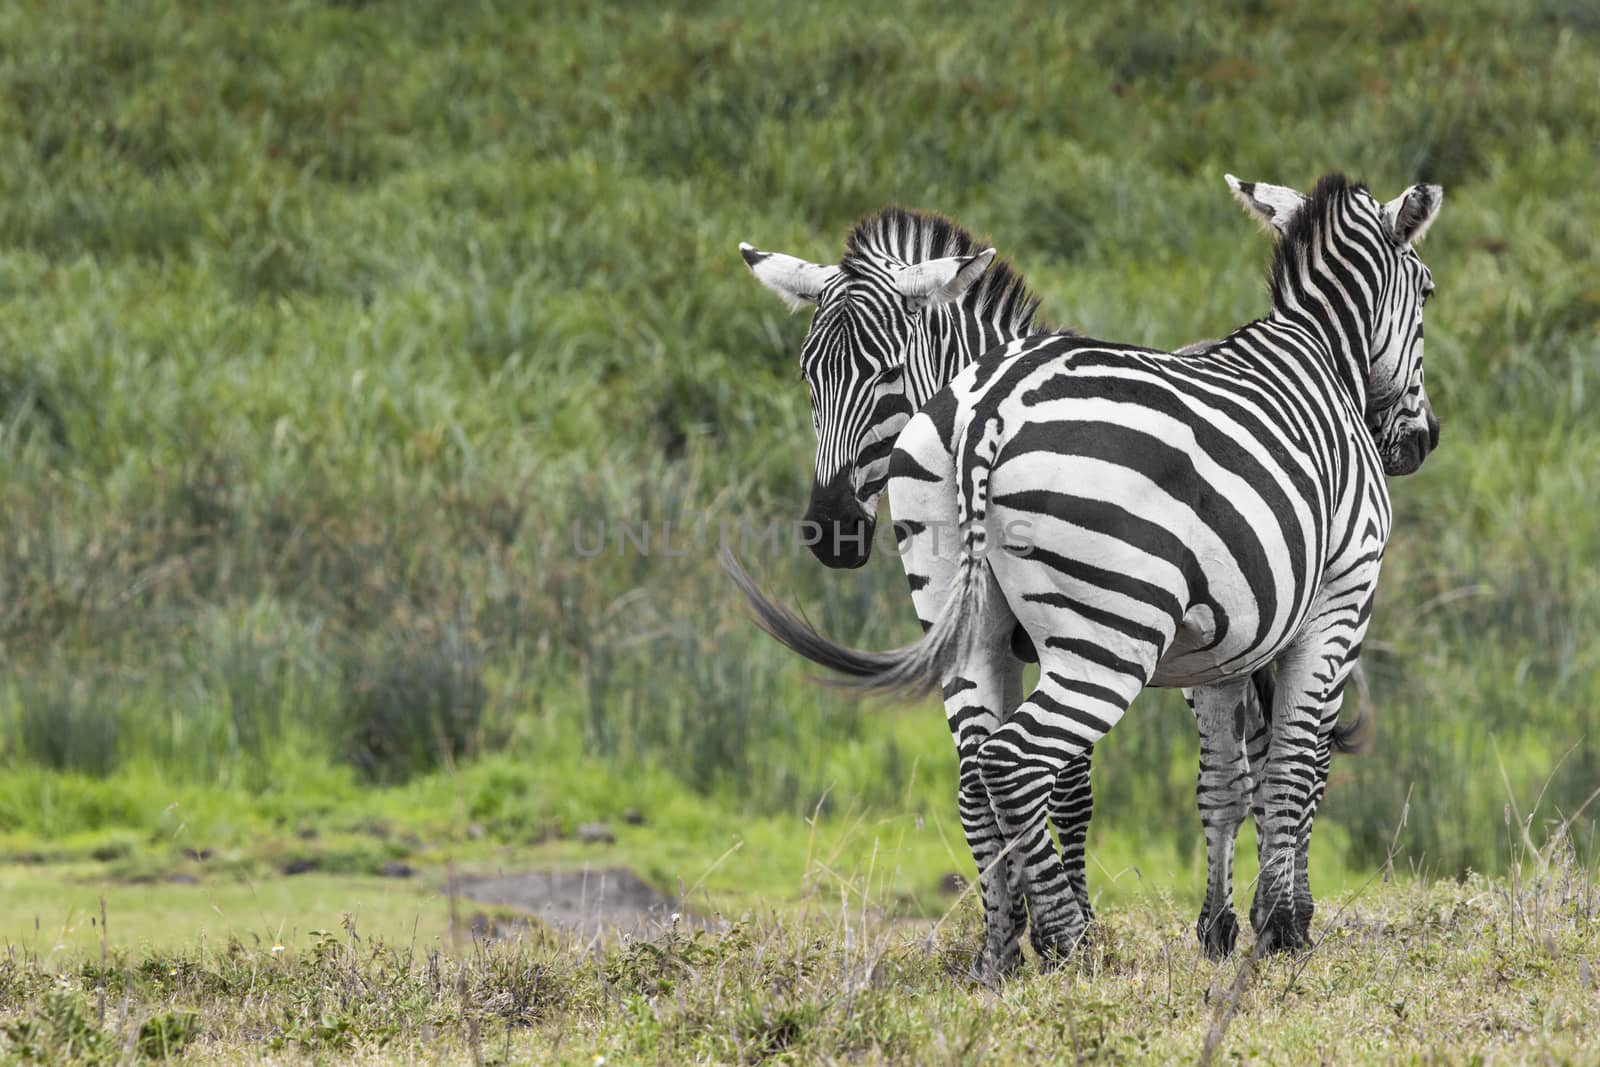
point(1190, 521)
point(910, 306)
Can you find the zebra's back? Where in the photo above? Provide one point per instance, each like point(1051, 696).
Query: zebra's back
point(1173, 512)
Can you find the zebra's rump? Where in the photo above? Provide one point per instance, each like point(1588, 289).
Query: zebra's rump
point(1172, 494)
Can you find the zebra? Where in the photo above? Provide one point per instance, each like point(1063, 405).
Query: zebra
point(914, 299)
point(1191, 521)
point(910, 305)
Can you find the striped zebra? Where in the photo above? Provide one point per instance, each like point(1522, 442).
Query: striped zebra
point(914, 301)
point(1188, 521)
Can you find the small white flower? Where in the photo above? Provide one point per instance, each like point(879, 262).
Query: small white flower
point(599, 1060)
point(276, 949)
point(675, 917)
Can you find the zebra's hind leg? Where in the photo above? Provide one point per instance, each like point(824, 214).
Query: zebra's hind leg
point(1071, 801)
point(1063, 718)
point(1224, 793)
point(977, 693)
point(976, 700)
point(1071, 809)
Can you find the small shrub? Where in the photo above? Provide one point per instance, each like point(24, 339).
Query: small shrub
point(68, 723)
point(414, 703)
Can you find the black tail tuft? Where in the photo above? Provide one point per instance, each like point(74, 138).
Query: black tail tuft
point(1356, 737)
point(799, 636)
point(904, 673)
point(1352, 738)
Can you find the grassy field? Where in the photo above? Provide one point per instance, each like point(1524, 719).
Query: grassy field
point(330, 333)
point(1477, 971)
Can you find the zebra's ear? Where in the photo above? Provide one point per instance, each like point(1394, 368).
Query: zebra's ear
point(1411, 213)
point(939, 281)
point(796, 282)
point(1273, 205)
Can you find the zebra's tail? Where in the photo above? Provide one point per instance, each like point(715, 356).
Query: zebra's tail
point(903, 673)
point(1351, 737)
point(916, 669)
point(1355, 737)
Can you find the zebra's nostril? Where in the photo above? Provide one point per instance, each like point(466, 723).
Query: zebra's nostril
point(1433, 433)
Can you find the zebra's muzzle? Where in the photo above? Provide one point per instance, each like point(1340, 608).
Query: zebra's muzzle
point(1411, 450)
point(836, 528)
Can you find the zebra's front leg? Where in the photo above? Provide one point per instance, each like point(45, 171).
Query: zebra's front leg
point(1309, 690)
point(1304, 905)
point(1071, 809)
point(1223, 792)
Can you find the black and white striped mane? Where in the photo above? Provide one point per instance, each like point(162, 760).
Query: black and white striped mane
point(1304, 228)
point(903, 236)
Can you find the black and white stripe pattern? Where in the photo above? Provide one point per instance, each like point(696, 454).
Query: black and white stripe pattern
point(914, 299)
point(1184, 521)
point(868, 332)
point(864, 331)
point(872, 359)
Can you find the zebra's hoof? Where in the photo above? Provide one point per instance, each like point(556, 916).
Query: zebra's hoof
point(1055, 949)
point(992, 968)
point(1218, 933)
point(1283, 932)
point(1048, 948)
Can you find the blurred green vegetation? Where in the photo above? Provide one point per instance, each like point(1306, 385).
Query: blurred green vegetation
point(322, 325)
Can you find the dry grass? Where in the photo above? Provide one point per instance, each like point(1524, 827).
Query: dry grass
point(1484, 970)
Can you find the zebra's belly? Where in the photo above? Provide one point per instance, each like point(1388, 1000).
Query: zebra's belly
point(1226, 636)
point(1194, 659)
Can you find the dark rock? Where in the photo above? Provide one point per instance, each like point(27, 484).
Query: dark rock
point(596, 833)
point(199, 855)
point(396, 869)
point(633, 817)
point(300, 866)
point(476, 831)
point(182, 878)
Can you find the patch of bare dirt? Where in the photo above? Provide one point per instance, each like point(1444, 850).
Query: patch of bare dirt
point(588, 903)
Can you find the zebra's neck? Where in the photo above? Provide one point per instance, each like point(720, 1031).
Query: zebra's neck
point(1325, 283)
point(957, 335)
point(1338, 333)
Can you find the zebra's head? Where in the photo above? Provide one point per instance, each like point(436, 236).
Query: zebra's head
point(1349, 261)
point(876, 351)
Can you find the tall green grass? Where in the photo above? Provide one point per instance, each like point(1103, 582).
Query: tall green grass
point(321, 325)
